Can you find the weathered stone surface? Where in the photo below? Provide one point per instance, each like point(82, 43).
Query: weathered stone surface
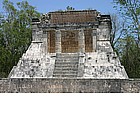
point(69, 85)
point(103, 65)
point(66, 65)
point(34, 63)
point(131, 85)
point(73, 16)
point(85, 33)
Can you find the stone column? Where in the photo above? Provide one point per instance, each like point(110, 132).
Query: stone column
point(35, 29)
point(81, 41)
point(58, 41)
point(45, 42)
point(37, 33)
point(94, 40)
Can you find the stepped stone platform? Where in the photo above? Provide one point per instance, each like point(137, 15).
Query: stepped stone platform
point(70, 52)
point(71, 47)
point(66, 65)
point(69, 85)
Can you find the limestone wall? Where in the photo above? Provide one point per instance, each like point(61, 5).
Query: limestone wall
point(103, 65)
point(43, 85)
point(34, 63)
point(73, 16)
point(69, 41)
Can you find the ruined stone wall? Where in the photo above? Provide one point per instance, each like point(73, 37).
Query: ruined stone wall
point(73, 16)
point(34, 63)
point(43, 85)
point(103, 65)
point(85, 32)
point(69, 41)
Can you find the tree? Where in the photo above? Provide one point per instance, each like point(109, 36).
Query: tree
point(118, 28)
point(15, 33)
point(130, 12)
point(69, 8)
point(129, 43)
point(131, 57)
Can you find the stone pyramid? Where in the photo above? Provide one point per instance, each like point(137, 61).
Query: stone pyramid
point(70, 44)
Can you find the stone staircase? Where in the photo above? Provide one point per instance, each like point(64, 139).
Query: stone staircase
point(66, 65)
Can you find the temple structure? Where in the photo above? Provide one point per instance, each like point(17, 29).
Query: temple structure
point(70, 44)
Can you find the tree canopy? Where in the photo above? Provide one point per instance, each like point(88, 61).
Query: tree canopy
point(15, 33)
point(128, 45)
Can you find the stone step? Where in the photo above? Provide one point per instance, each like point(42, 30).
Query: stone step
point(67, 60)
point(66, 65)
point(67, 54)
point(65, 72)
point(65, 75)
point(66, 68)
point(67, 57)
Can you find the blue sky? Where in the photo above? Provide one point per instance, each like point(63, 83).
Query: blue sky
point(44, 6)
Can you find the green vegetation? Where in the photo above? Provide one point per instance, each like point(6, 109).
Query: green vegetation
point(15, 33)
point(128, 42)
point(69, 8)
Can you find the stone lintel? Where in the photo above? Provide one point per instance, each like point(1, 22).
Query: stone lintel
point(37, 41)
point(69, 26)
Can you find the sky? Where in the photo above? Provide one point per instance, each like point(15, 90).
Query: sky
point(45, 6)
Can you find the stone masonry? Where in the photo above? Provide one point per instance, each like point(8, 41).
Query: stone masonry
point(69, 85)
point(73, 44)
